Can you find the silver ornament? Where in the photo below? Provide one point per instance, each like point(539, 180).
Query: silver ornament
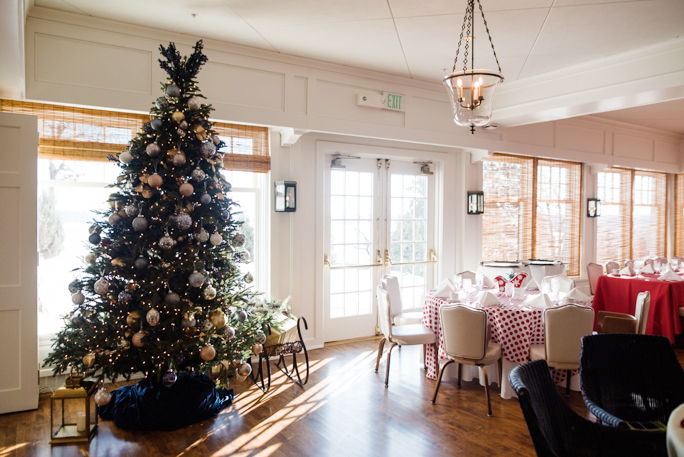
point(101, 286)
point(183, 125)
point(249, 278)
point(203, 236)
point(229, 331)
point(179, 159)
point(141, 263)
point(244, 369)
point(156, 123)
point(238, 240)
point(131, 210)
point(194, 103)
point(169, 378)
point(90, 259)
point(216, 140)
point(261, 337)
point(208, 149)
point(102, 397)
point(205, 198)
point(153, 149)
point(115, 219)
point(78, 298)
point(172, 91)
point(196, 279)
point(94, 229)
point(216, 239)
point(73, 286)
point(183, 221)
point(125, 297)
point(188, 321)
point(241, 315)
point(209, 292)
point(125, 157)
point(245, 256)
point(198, 175)
point(166, 242)
point(139, 223)
point(161, 103)
point(152, 317)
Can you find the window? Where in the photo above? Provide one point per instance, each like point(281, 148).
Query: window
point(532, 210)
point(649, 214)
point(679, 215)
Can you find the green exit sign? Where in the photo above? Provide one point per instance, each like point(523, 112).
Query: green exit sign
point(393, 101)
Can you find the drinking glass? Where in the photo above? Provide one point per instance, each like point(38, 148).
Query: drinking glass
point(510, 289)
point(467, 284)
point(479, 279)
point(657, 266)
point(674, 264)
point(555, 286)
point(458, 281)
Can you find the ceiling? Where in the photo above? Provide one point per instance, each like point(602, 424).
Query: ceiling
point(417, 39)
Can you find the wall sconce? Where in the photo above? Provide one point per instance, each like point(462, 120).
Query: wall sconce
point(593, 207)
point(475, 202)
point(285, 196)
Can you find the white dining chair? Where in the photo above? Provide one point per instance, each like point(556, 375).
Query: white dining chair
point(613, 322)
point(391, 285)
point(566, 284)
point(594, 271)
point(468, 274)
point(564, 328)
point(466, 335)
point(610, 266)
point(405, 335)
point(643, 305)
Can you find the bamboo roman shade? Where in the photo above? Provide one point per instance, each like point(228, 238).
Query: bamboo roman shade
point(70, 133)
point(649, 214)
point(532, 209)
point(679, 215)
point(613, 229)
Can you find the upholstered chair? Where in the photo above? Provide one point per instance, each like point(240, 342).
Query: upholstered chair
point(594, 270)
point(610, 266)
point(566, 284)
point(398, 317)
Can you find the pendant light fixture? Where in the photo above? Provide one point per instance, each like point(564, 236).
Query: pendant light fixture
point(471, 90)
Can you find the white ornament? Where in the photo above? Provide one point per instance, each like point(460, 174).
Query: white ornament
point(101, 286)
point(194, 103)
point(152, 317)
point(78, 298)
point(203, 236)
point(125, 157)
point(216, 239)
point(139, 224)
point(90, 259)
point(196, 279)
point(102, 397)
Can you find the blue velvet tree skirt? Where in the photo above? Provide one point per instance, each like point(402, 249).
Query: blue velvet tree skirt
point(149, 405)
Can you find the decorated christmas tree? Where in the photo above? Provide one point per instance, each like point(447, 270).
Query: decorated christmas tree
point(161, 291)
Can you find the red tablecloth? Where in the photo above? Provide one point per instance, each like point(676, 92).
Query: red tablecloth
point(619, 294)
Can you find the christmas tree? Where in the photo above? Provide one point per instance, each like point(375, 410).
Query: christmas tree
point(160, 291)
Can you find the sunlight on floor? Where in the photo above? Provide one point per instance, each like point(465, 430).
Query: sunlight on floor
point(5, 451)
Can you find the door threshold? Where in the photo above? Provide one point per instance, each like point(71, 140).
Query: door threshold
point(353, 340)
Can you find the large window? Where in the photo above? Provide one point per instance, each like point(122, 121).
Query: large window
point(679, 215)
point(532, 210)
point(613, 232)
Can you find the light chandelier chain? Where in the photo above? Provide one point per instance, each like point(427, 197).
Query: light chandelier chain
point(489, 35)
point(469, 16)
point(460, 39)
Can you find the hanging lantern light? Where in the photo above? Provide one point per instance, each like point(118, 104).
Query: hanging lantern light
point(472, 91)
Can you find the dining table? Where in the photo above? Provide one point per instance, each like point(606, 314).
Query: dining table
point(618, 293)
point(514, 324)
point(535, 269)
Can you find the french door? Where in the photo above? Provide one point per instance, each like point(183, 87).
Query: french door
point(379, 215)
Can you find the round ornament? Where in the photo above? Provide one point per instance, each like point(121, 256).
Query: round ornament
point(94, 238)
point(78, 320)
point(156, 123)
point(244, 369)
point(241, 315)
point(78, 298)
point(179, 159)
point(131, 210)
point(172, 91)
point(194, 103)
point(101, 286)
point(141, 263)
point(169, 378)
point(225, 215)
point(152, 317)
point(139, 223)
point(188, 321)
point(203, 236)
point(90, 259)
point(208, 149)
point(138, 339)
point(208, 352)
point(217, 318)
point(245, 256)
point(125, 297)
point(249, 278)
point(216, 239)
point(207, 326)
point(196, 279)
point(198, 175)
point(155, 180)
point(172, 298)
point(166, 242)
point(161, 103)
point(227, 187)
point(115, 219)
point(102, 397)
point(257, 349)
point(238, 240)
point(153, 150)
point(186, 189)
point(125, 157)
point(216, 140)
point(260, 337)
point(177, 116)
point(134, 318)
point(205, 198)
point(73, 286)
point(209, 293)
point(229, 332)
point(183, 125)
point(89, 360)
point(183, 221)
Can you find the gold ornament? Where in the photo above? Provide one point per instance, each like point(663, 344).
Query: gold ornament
point(208, 352)
point(177, 116)
point(118, 262)
point(172, 152)
point(200, 132)
point(217, 318)
point(137, 339)
point(89, 360)
point(190, 331)
point(134, 318)
point(144, 178)
point(257, 349)
point(146, 193)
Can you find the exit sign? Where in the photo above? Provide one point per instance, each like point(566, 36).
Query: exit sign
point(393, 101)
point(386, 100)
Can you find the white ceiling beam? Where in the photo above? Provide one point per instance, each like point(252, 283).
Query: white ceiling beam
point(652, 74)
point(12, 20)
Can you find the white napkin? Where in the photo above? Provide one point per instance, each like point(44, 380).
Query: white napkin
point(539, 301)
point(627, 271)
point(670, 275)
point(578, 295)
point(486, 298)
point(487, 283)
point(444, 288)
point(532, 285)
point(647, 269)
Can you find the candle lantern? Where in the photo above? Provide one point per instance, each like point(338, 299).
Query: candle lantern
point(73, 412)
point(285, 196)
point(475, 202)
point(593, 207)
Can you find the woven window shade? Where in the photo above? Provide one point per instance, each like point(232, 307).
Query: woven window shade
point(247, 147)
point(507, 219)
point(679, 215)
point(649, 214)
point(613, 230)
point(557, 219)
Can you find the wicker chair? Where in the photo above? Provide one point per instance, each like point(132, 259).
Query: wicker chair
point(630, 378)
point(557, 431)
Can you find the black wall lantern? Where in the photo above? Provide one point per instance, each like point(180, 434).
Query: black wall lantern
point(475, 202)
point(593, 207)
point(285, 196)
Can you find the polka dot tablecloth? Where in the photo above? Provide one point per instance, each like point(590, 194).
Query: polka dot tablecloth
point(514, 326)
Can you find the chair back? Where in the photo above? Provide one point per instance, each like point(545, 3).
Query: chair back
point(648, 262)
point(464, 330)
point(629, 263)
point(391, 285)
point(661, 260)
point(468, 274)
point(564, 328)
point(594, 270)
point(643, 304)
point(384, 318)
point(566, 284)
point(610, 266)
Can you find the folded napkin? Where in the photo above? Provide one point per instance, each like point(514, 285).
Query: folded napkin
point(648, 268)
point(627, 271)
point(578, 295)
point(487, 283)
point(444, 288)
point(670, 275)
point(539, 301)
point(486, 298)
point(532, 285)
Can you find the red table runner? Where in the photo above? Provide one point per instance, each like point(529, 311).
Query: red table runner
point(619, 294)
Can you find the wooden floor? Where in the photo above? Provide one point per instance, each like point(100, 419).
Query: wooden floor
point(344, 410)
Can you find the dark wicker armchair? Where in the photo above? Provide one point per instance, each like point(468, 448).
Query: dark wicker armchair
point(629, 381)
point(558, 431)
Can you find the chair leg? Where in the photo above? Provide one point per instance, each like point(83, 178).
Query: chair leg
point(389, 353)
point(436, 351)
point(458, 379)
point(381, 346)
point(486, 380)
point(567, 383)
point(439, 380)
point(501, 374)
point(425, 357)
